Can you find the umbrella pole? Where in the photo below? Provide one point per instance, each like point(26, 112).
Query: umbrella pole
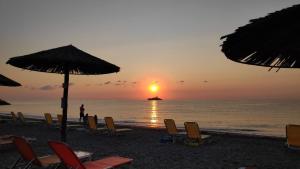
point(65, 106)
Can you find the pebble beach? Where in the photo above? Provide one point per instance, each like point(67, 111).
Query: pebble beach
point(220, 151)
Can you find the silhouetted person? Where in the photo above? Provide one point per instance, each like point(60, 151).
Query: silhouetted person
point(81, 114)
point(96, 119)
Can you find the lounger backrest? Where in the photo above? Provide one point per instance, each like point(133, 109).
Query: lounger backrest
point(170, 126)
point(48, 118)
point(25, 150)
point(66, 154)
point(192, 130)
point(59, 119)
point(21, 117)
point(109, 121)
point(13, 116)
point(293, 135)
point(92, 123)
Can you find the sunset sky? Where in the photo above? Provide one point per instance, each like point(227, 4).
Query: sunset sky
point(174, 44)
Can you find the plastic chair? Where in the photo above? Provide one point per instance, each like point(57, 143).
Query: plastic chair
point(293, 136)
point(111, 126)
point(14, 117)
point(172, 129)
point(70, 160)
point(48, 119)
point(29, 158)
point(59, 122)
point(22, 119)
point(194, 133)
point(93, 126)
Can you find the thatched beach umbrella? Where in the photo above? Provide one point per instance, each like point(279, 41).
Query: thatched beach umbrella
point(272, 41)
point(64, 60)
point(2, 102)
point(5, 81)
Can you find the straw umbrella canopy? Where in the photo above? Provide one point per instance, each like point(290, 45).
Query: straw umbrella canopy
point(271, 41)
point(5, 81)
point(64, 60)
point(2, 102)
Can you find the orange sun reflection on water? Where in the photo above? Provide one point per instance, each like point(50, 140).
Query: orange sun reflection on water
point(153, 119)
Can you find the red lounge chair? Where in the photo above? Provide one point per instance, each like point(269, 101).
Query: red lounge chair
point(28, 156)
point(70, 160)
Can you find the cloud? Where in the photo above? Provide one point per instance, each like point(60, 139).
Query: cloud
point(181, 82)
point(29, 87)
point(47, 87)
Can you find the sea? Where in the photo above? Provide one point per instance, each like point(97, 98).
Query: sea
point(254, 117)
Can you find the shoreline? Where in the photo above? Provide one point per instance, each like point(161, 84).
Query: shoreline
point(228, 132)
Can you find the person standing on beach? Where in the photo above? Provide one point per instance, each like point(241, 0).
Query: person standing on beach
point(81, 114)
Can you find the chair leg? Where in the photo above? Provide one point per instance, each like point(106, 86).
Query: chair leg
point(174, 139)
point(54, 166)
point(15, 163)
point(28, 165)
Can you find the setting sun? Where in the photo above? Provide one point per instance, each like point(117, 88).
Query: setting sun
point(153, 88)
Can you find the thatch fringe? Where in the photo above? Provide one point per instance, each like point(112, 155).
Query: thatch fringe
point(56, 60)
point(272, 41)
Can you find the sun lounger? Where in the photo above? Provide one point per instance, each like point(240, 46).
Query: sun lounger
point(14, 117)
point(93, 126)
point(293, 136)
point(8, 139)
point(6, 136)
point(70, 160)
point(59, 121)
point(111, 126)
point(23, 120)
point(49, 120)
point(194, 135)
point(172, 129)
point(29, 158)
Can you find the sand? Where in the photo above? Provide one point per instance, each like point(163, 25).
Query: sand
point(221, 151)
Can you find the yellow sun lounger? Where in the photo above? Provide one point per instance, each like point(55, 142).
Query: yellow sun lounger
point(193, 133)
point(49, 120)
point(93, 126)
point(23, 120)
point(59, 121)
point(109, 121)
point(14, 117)
point(293, 136)
point(172, 129)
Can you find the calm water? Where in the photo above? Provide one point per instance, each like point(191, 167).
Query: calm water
point(254, 117)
